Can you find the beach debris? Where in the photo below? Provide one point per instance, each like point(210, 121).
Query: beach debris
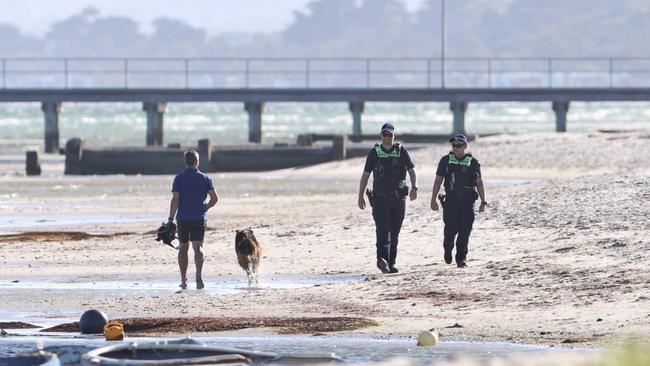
point(3, 332)
point(428, 338)
point(286, 325)
point(564, 249)
point(92, 322)
point(114, 331)
point(17, 325)
point(456, 325)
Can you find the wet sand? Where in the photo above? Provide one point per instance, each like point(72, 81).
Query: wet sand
point(562, 255)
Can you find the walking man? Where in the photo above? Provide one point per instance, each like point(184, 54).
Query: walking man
point(190, 189)
point(389, 162)
point(461, 173)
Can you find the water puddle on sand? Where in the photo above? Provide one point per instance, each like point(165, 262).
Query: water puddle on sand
point(351, 348)
point(23, 222)
point(507, 182)
point(221, 286)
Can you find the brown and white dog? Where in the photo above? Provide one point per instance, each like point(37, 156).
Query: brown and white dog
point(248, 254)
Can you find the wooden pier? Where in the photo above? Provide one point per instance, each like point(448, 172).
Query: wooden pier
point(254, 82)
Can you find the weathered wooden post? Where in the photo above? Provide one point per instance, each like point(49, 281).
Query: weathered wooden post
point(205, 150)
point(32, 163)
point(73, 153)
point(339, 147)
point(305, 140)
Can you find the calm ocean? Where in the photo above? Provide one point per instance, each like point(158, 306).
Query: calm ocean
point(114, 124)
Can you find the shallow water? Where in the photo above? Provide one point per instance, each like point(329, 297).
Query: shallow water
point(223, 285)
point(350, 348)
point(46, 221)
point(83, 201)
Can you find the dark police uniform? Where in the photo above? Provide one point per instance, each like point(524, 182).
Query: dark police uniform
point(389, 191)
point(193, 187)
point(460, 177)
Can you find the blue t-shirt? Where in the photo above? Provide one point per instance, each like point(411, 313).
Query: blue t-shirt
point(193, 187)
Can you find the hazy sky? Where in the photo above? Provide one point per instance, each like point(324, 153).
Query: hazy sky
point(35, 16)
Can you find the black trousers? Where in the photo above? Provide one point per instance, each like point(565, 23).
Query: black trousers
point(388, 213)
point(458, 216)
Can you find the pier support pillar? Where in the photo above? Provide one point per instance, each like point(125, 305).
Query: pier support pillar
point(357, 110)
point(255, 110)
point(459, 109)
point(51, 110)
point(560, 109)
point(155, 112)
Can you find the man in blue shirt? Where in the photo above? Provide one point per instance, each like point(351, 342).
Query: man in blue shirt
point(190, 189)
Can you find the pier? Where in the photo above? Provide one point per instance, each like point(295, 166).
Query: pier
point(254, 82)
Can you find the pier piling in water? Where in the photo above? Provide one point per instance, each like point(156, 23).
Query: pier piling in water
point(459, 109)
point(155, 112)
point(51, 110)
point(255, 110)
point(560, 109)
point(357, 110)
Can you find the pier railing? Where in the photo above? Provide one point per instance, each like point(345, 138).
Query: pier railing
point(315, 73)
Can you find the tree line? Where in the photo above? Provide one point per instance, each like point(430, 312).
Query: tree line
point(370, 28)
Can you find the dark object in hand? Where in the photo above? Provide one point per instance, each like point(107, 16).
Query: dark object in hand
point(371, 197)
point(167, 233)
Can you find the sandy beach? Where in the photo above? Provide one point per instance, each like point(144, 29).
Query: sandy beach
point(561, 255)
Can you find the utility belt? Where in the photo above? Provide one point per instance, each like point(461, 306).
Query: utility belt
point(398, 193)
point(464, 193)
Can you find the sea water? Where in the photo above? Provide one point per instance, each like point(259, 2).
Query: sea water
point(124, 124)
point(352, 349)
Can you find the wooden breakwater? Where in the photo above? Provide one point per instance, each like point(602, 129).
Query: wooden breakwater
point(83, 160)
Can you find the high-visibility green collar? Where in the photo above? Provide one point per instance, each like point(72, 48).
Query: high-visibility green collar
point(382, 154)
point(466, 161)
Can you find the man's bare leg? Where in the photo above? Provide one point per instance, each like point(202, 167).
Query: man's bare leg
point(198, 261)
point(182, 263)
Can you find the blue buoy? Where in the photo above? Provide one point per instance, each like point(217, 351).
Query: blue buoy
point(92, 322)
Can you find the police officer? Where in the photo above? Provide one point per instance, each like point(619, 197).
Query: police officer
point(189, 191)
point(389, 162)
point(461, 173)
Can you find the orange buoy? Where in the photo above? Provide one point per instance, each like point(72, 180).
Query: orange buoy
point(114, 331)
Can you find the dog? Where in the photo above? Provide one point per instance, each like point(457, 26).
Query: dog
point(248, 251)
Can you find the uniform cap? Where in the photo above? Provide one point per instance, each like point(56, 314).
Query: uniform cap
point(458, 137)
point(388, 127)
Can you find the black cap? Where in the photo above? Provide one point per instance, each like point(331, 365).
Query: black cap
point(459, 137)
point(388, 127)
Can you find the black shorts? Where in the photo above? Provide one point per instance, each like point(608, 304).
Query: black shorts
point(191, 230)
